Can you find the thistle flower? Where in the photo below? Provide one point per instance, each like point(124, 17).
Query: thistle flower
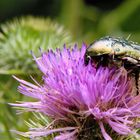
point(83, 102)
point(24, 34)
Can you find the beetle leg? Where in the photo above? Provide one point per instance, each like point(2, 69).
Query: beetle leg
point(130, 59)
point(87, 58)
point(137, 81)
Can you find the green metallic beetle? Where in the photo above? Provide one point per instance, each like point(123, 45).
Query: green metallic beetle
point(115, 50)
point(109, 51)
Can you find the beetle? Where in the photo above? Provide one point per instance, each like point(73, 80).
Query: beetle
point(109, 51)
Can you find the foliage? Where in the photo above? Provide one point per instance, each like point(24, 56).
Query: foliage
point(89, 23)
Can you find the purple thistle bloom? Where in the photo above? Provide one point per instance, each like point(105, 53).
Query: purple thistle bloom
point(72, 93)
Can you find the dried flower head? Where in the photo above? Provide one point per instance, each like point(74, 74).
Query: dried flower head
point(85, 102)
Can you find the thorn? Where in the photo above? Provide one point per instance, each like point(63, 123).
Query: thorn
point(31, 52)
point(40, 49)
point(128, 37)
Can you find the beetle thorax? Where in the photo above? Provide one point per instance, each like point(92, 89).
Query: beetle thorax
point(100, 48)
point(118, 49)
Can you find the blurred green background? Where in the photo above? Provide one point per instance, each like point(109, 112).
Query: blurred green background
point(85, 20)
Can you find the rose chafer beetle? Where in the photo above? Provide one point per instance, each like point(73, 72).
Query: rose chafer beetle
point(109, 51)
point(115, 48)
